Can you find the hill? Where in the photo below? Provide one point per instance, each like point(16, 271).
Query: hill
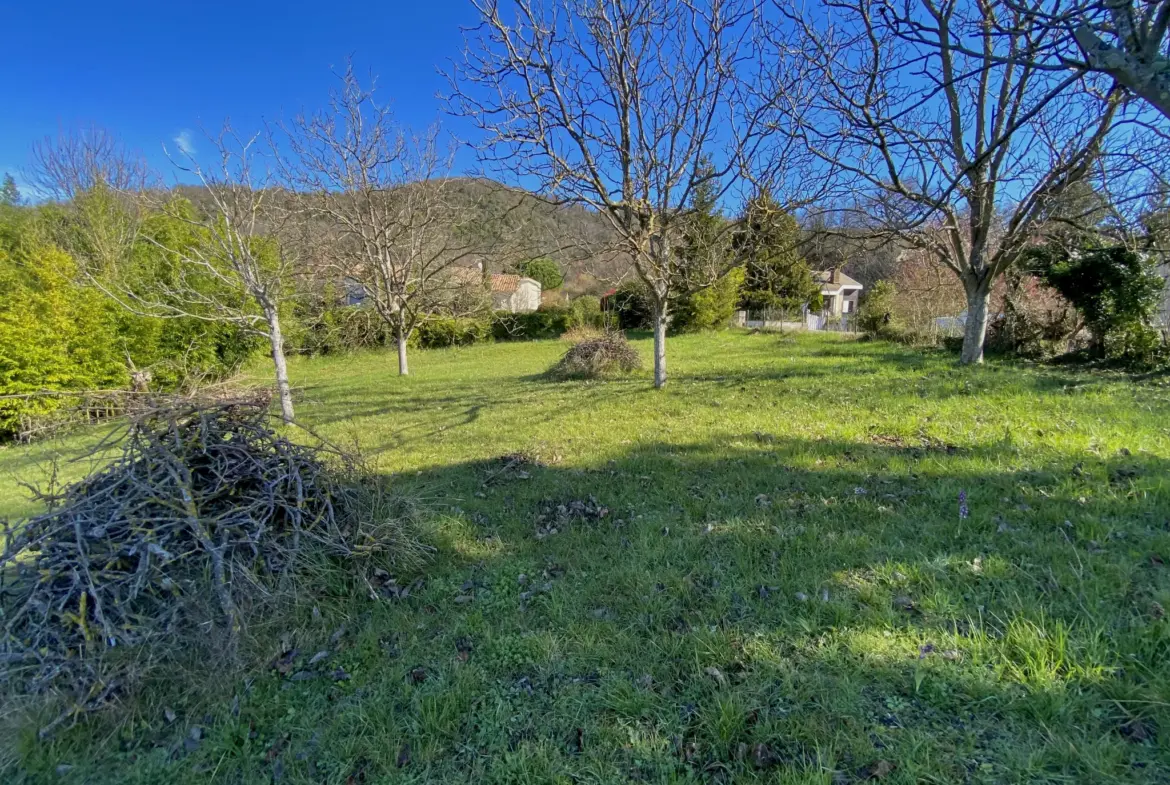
point(517, 226)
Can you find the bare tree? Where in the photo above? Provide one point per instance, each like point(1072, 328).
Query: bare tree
point(619, 105)
point(229, 268)
point(241, 249)
point(383, 198)
point(944, 141)
point(101, 184)
point(1127, 40)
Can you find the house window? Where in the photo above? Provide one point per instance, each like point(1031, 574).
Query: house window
point(847, 306)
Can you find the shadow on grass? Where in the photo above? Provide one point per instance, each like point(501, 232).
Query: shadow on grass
point(822, 598)
point(751, 609)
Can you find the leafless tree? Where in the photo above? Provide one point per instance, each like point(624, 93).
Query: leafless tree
point(101, 184)
point(626, 107)
point(229, 268)
point(383, 198)
point(1127, 40)
point(237, 269)
point(943, 140)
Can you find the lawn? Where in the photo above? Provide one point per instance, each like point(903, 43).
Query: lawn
point(761, 573)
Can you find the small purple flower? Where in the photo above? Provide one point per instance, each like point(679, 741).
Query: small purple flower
point(963, 510)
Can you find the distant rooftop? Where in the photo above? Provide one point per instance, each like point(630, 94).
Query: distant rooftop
point(825, 279)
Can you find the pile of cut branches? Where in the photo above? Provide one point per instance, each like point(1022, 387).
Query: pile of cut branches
point(606, 355)
point(205, 505)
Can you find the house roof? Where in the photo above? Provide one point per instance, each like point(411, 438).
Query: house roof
point(824, 279)
point(503, 282)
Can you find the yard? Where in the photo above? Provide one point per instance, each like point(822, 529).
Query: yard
point(807, 560)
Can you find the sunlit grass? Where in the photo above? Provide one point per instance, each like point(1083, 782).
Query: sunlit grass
point(783, 564)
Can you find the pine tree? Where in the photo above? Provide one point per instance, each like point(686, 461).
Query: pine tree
point(9, 193)
point(702, 255)
point(776, 275)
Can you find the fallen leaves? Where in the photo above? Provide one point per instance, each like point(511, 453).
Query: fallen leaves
point(555, 517)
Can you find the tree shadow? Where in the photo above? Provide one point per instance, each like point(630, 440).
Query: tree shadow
point(753, 608)
point(826, 600)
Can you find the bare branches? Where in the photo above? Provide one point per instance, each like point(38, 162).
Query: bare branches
point(384, 198)
point(102, 186)
point(76, 162)
point(204, 502)
point(941, 137)
point(626, 108)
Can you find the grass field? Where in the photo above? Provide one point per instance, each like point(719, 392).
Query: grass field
point(780, 587)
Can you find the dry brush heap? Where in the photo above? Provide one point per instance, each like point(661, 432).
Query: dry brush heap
point(205, 510)
point(606, 355)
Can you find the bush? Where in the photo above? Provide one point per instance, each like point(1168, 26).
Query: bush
point(708, 309)
point(58, 334)
point(1117, 291)
point(546, 271)
point(341, 328)
point(582, 333)
point(632, 306)
point(1035, 321)
point(875, 316)
point(544, 323)
point(607, 355)
point(55, 336)
point(585, 311)
point(443, 331)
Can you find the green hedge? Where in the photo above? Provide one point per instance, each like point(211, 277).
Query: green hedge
point(445, 331)
point(58, 334)
point(336, 329)
point(340, 329)
point(549, 321)
point(537, 325)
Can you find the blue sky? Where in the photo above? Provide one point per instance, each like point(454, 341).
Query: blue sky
point(149, 72)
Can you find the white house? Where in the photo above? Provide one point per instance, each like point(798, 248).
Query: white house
point(840, 295)
point(514, 293)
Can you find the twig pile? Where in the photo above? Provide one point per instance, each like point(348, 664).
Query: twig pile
point(204, 503)
point(603, 356)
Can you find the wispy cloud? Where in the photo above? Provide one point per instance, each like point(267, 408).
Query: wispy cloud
point(185, 141)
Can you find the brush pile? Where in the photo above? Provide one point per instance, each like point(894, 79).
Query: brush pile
point(606, 355)
point(204, 506)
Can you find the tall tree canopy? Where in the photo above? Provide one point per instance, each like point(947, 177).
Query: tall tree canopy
point(775, 274)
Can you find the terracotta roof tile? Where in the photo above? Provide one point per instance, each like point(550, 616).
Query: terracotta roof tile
point(502, 282)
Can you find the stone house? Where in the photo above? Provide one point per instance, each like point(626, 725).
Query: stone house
point(514, 293)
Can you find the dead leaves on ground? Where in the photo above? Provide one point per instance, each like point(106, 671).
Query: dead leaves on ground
point(554, 517)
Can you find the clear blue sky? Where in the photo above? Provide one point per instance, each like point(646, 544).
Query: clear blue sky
point(149, 71)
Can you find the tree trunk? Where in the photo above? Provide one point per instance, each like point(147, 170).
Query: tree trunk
point(659, 345)
point(276, 339)
point(400, 334)
point(975, 331)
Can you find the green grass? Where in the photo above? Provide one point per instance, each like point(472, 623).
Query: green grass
point(783, 564)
